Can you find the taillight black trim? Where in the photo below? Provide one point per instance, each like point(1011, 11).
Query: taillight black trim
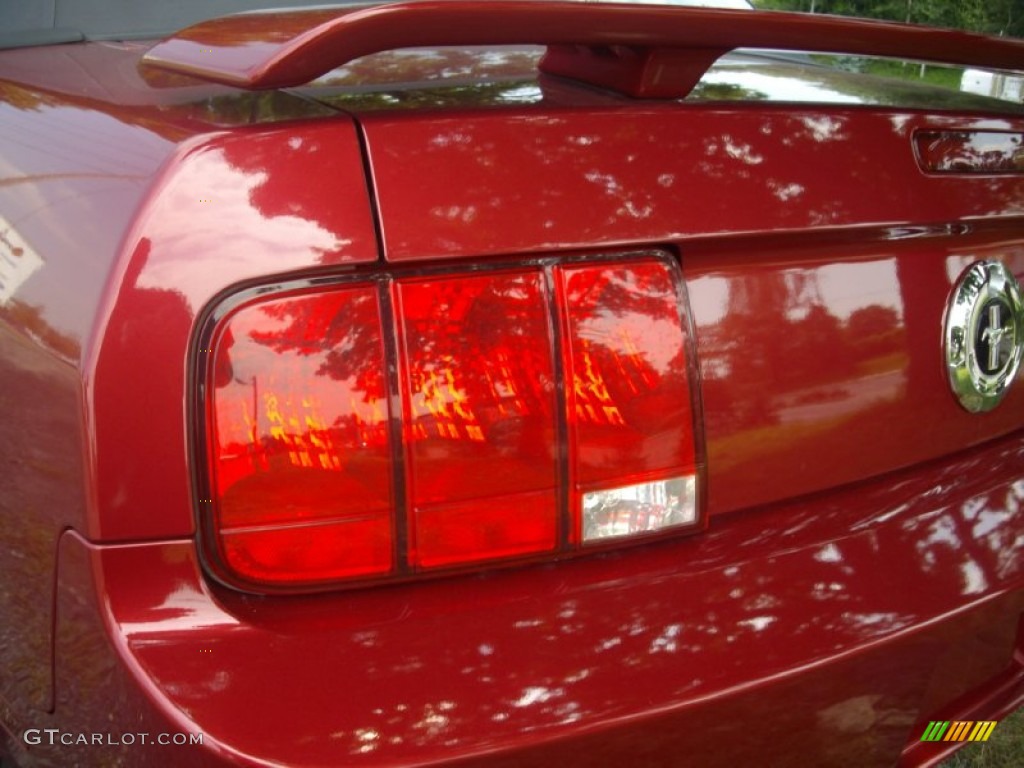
point(383, 277)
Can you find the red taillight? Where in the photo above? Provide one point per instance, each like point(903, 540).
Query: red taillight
point(478, 386)
point(374, 429)
point(300, 457)
point(633, 459)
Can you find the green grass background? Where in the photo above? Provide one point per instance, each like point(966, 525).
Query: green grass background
point(1004, 749)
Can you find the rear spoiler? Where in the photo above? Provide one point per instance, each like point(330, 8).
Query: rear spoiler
point(645, 51)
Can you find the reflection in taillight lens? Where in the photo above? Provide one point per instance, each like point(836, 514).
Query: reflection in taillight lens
point(480, 407)
point(373, 430)
point(630, 420)
point(300, 459)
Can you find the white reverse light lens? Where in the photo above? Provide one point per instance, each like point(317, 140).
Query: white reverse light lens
point(638, 509)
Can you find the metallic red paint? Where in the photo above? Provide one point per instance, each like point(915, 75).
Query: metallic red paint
point(794, 631)
point(228, 208)
point(72, 176)
point(840, 598)
point(789, 411)
point(83, 140)
point(520, 180)
point(278, 49)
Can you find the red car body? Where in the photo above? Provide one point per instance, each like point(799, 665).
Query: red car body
point(861, 571)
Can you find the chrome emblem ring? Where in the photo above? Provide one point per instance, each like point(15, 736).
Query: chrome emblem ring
point(984, 335)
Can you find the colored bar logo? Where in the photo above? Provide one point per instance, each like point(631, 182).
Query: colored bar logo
point(959, 730)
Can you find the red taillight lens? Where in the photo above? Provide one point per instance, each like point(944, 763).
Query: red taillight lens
point(300, 456)
point(479, 395)
point(630, 419)
point(371, 430)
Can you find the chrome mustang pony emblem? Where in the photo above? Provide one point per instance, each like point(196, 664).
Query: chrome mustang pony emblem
point(984, 335)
